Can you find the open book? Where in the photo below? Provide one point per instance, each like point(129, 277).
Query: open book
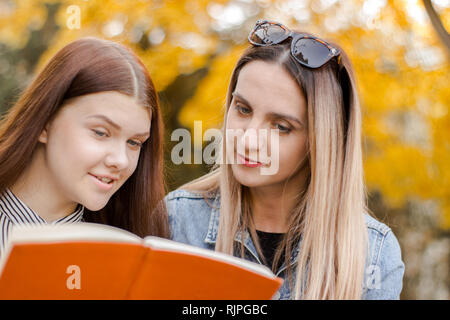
point(94, 261)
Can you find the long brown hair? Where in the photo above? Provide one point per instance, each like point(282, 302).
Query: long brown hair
point(329, 215)
point(86, 66)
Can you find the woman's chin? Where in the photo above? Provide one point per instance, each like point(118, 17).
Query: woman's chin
point(249, 177)
point(94, 205)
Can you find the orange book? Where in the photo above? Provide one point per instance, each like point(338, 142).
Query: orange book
point(94, 261)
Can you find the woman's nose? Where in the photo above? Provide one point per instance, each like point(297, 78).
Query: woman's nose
point(117, 157)
point(254, 140)
point(250, 139)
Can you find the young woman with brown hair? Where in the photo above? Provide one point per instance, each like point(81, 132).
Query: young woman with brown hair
point(84, 142)
point(308, 220)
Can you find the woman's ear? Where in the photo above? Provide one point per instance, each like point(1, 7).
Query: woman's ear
point(43, 136)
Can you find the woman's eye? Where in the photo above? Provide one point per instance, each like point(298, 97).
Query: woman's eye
point(100, 133)
point(243, 110)
point(135, 143)
point(282, 129)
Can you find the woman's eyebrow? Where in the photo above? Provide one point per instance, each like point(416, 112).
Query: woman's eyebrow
point(270, 114)
point(240, 97)
point(115, 125)
point(106, 119)
point(284, 116)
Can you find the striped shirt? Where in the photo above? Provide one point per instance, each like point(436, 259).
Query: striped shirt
point(14, 212)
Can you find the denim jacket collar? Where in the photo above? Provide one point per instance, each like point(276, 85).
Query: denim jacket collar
point(213, 227)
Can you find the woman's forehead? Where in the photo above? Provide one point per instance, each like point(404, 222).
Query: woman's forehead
point(269, 86)
point(120, 108)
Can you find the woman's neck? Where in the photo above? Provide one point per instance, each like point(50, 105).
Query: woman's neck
point(35, 188)
point(272, 205)
point(270, 209)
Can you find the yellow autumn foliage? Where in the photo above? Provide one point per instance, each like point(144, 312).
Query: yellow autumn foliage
point(209, 101)
point(405, 94)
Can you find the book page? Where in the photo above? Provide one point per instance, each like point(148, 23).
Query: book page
point(71, 232)
point(79, 231)
point(169, 245)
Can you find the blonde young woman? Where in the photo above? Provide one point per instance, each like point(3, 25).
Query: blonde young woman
point(307, 221)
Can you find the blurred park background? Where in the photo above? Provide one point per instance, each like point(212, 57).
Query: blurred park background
point(400, 50)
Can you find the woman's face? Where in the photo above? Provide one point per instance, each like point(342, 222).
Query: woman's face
point(92, 146)
point(266, 97)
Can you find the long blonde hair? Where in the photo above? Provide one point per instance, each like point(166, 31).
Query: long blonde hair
point(329, 215)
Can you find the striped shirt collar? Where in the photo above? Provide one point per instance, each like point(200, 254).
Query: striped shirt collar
point(20, 214)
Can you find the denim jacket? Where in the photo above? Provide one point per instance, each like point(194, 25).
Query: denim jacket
point(195, 221)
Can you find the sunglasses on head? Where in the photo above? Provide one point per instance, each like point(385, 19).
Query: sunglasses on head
point(309, 51)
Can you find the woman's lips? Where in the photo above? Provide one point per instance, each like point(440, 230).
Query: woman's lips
point(101, 184)
point(248, 163)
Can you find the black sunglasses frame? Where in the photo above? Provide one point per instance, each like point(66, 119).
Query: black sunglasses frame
point(334, 52)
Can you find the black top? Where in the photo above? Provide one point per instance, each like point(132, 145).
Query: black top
point(269, 242)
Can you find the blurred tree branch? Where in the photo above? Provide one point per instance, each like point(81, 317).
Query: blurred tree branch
point(437, 24)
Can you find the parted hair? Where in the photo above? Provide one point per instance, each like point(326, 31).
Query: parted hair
point(86, 66)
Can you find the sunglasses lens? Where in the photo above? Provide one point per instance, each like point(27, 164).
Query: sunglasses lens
point(268, 34)
point(311, 52)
